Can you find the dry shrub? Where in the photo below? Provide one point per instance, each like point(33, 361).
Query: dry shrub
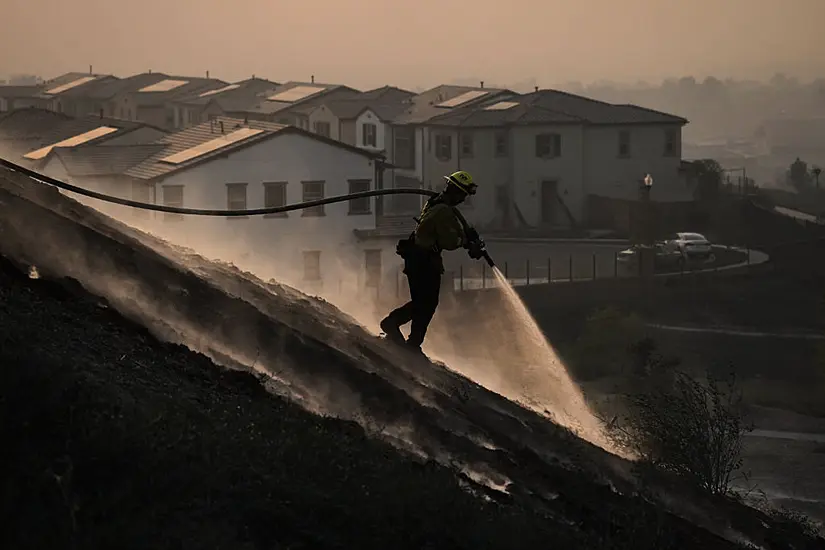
point(688, 426)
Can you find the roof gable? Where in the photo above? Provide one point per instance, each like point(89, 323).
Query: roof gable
point(155, 167)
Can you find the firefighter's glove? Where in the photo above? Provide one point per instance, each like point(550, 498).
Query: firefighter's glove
point(475, 249)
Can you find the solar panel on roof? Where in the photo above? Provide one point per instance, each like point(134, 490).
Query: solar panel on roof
point(211, 145)
point(71, 142)
point(296, 94)
point(501, 106)
point(164, 85)
point(463, 98)
point(69, 85)
point(220, 90)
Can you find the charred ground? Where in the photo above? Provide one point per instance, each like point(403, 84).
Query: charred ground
point(114, 438)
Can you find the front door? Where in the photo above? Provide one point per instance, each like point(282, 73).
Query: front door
point(549, 203)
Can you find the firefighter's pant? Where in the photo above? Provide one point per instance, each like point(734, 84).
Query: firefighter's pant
point(425, 286)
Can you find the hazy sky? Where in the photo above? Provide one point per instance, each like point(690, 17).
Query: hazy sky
point(423, 42)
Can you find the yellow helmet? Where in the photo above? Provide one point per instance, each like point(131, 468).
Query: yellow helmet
point(463, 180)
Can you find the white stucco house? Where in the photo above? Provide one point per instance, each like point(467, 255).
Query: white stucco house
point(231, 164)
point(538, 157)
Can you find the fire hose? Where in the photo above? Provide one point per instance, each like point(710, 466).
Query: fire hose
point(475, 247)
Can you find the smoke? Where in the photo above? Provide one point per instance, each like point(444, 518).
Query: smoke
point(506, 352)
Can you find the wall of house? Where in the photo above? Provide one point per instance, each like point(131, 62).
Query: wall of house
point(122, 106)
point(368, 117)
point(323, 114)
point(110, 185)
point(276, 243)
point(609, 175)
point(347, 132)
point(157, 115)
point(529, 171)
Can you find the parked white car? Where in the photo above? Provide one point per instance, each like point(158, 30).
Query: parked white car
point(692, 246)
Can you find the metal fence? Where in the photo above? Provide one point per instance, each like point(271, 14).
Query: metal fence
point(576, 267)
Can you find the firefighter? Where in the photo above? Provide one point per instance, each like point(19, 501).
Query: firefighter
point(440, 227)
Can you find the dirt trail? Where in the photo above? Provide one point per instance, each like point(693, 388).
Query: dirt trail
point(315, 354)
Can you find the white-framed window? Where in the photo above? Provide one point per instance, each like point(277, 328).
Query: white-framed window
point(369, 134)
point(275, 196)
point(361, 205)
point(312, 265)
point(313, 190)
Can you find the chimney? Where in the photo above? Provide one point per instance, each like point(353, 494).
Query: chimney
point(101, 112)
point(221, 123)
point(312, 79)
point(246, 119)
point(90, 69)
point(537, 88)
point(150, 71)
point(207, 74)
point(482, 83)
point(253, 76)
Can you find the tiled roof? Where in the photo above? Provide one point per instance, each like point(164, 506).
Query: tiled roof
point(30, 123)
point(330, 92)
point(193, 85)
point(552, 107)
point(387, 102)
point(125, 85)
point(85, 89)
point(248, 93)
point(153, 168)
point(104, 160)
point(422, 107)
point(32, 129)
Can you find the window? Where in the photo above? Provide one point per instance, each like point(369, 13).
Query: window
point(502, 148)
point(548, 145)
point(624, 143)
point(369, 135)
point(173, 196)
point(670, 142)
point(467, 145)
point(313, 191)
point(372, 268)
point(443, 147)
point(274, 196)
point(312, 265)
point(236, 198)
point(321, 128)
point(404, 156)
point(141, 192)
point(362, 205)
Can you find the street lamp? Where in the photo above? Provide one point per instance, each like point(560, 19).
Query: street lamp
point(816, 171)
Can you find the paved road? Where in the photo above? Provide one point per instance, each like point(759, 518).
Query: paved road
point(738, 331)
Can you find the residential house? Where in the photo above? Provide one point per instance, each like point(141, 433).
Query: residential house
point(362, 119)
point(19, 97)
point(410, 140)
point(232, 164)
point(102, 167)
point(29, 135)
point(73, 93)
point(149, 97)
point(293, 102)
point(231, 100)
